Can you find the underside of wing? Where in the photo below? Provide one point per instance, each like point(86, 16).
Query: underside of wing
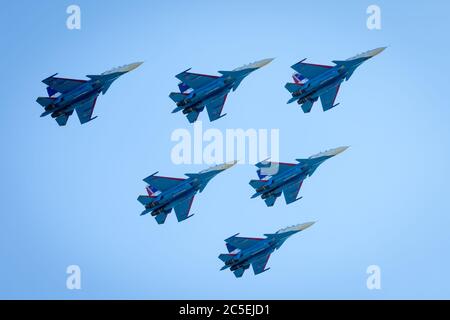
point(163, 183)
point(259, 264)
point(242, 243)
point(182, 209)
point(309, 70)
point(329, 97)
point(291, 191)
point(195, 80)
point(85, 109)
point(62, 85)
point(215, 107)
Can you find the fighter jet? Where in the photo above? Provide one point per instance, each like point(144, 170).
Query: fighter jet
point(67, 95)
point(165, 194)
point(279, 177)
point(200, 90)
point(243, 252)
point(314, 81)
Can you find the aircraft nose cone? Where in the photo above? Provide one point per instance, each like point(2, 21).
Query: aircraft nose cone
point(219, 168)
point(262, 63)
point(374, 52)
point(338, 150)
point(294, 229)
point(132, 66)
point(329, 153)
point(305, 225)
point(228, 165)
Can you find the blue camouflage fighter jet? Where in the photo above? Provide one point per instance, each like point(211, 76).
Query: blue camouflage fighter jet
point(287, 178)
point(200, 90)
point(67, 95)
point(314, 81)
point(243, 252)
point(165, 193)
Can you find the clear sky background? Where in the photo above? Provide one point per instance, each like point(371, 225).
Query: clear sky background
point(68, 195)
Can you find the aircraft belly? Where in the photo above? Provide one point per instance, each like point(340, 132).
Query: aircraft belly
point(210, 95)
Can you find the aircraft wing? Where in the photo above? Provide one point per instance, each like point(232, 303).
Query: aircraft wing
point(309, 70)
point(291, 191)
point(62, 85)
point(85, 109)
point(270, 168)
point(259, 264)
point(162, 183)
point(241, 242)
point(195, 80)
point(329, 97)
point(215, 107)
point(182, 209)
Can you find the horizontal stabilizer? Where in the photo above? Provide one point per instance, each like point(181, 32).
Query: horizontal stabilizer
point(177, 109)
point(45, 101)
point(145, 200)
point(293, 87)
point(225, 257)
point(177, 97)
point(256, 184)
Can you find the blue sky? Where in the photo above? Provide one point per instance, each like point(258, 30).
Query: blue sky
point(69, 194)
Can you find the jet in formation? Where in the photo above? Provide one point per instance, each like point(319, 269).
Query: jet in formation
point(67, 95)
point(243, 252)
point(276, 178)
point(165, 193)
point(314, 81)
point(198, 91)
